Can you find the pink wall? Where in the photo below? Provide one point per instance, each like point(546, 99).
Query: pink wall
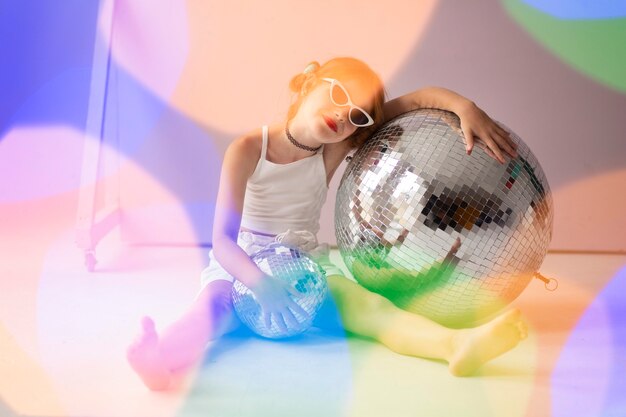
point(573, 124)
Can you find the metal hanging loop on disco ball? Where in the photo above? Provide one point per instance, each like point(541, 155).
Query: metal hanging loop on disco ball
point(551, 284)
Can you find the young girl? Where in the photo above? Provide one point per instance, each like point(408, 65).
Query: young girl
point(272, 187)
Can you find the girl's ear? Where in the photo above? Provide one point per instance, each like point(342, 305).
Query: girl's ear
point(307, 85)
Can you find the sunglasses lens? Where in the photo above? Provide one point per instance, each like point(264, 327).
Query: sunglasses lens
point(358, 117)
point(338, 95)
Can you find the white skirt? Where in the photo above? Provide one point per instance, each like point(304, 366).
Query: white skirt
point(252, 243)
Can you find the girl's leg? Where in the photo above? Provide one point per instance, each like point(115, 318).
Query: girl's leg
point(370, 315)
point(154, 357)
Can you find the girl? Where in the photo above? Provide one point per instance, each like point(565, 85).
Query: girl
point(272, 187)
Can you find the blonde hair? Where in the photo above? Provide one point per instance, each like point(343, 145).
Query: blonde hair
point(342, 69)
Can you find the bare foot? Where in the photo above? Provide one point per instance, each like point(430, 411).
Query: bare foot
point(473, 347)
point(144, 357)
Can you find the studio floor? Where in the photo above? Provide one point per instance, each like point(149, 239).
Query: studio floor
point(63, 338)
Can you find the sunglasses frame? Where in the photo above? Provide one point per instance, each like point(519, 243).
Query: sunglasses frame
point(333, 82)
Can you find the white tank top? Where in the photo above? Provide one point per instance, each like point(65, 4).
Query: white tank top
point(285, 196)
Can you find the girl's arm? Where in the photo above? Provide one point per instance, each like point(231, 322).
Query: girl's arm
point(474, 121)
point(239, 164)
point(272, 294)
point(426, 98)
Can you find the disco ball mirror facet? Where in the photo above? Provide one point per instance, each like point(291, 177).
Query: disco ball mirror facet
point(293, 266)
point(411, 190)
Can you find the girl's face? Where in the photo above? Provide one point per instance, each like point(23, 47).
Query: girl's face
point(328, 122)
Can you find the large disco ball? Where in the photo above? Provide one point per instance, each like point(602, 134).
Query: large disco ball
point(411, 190)
point(293, 266)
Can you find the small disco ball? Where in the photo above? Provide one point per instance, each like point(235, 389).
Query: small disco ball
point(411, 190)
point(293, 266)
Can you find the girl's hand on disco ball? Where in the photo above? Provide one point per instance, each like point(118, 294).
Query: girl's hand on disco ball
point(491, 137)
point(273, 295)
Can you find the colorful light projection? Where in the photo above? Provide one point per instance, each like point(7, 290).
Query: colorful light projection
point(592, 364)
point(231, 91)
point(587, 35)
point(156, 94)
point(580, 9)
point(42, 121)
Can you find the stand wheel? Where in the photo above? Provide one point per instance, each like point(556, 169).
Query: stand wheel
point(90, 261)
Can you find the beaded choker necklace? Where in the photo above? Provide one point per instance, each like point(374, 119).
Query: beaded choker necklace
point(298, 144)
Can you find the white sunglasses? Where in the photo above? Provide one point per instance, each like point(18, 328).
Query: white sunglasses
point(339, 96)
